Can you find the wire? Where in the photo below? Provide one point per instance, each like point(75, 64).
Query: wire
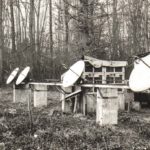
point(70, 70)
point(137, 57)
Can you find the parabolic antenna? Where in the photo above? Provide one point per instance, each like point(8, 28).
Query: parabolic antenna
point(139, 79)
point(12, 75)
point(73, 74)
point(23, 75)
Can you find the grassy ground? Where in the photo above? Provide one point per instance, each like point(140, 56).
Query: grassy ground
point(52, 130)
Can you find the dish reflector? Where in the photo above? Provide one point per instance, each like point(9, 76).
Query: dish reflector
point(139, 79)
point(73, 74)
point(23, 75)
point(12, 75)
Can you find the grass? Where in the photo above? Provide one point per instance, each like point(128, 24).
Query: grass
point(57, 131)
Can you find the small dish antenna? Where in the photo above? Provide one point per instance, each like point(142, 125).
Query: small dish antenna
point(12, 76)
point(139, 79)
point(23, 75)
point(73, 73)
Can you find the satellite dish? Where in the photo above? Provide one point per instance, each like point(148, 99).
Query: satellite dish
point(12, 76)
point(23, 75)
point(73, 74)
point(139, 79)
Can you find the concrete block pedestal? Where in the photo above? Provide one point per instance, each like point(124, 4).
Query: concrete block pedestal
point(121, 99)
point(66, 106)
point(21, 93)
point(39, 95)
point(107, 106)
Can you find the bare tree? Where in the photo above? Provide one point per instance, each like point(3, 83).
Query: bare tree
point(32, 38)
point(51, 37)
point(38, 28)
point(108, 29)
point(32, 24)
point(66, 21)
point(13, 35)
point(1, 41)
point(115, 31)
point(146, 26)
point(18, 23)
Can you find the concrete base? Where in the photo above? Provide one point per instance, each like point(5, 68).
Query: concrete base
point(107, 106)
point(66, 106)
point(40, 95)
point(129, 98)
point(88, 102)
point(121, 99)
point(21, 93)
point(76, 103)
point(136, 106)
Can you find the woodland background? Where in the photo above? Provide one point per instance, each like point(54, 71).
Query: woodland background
point(45, 34)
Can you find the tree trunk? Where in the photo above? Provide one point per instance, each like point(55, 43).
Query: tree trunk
point(32, 24)
point(66, 20)
point(115, 31)
point(12, 27)
point(146, 25)
point(51, 38)
point(1, 41)
point(33, 57)
point(18, 23)
point(38, 44)
point(38, 29)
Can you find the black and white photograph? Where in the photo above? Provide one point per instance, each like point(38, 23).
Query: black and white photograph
point(74, 74)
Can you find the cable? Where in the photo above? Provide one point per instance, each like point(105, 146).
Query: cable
point(137, 57)
point(70, 70)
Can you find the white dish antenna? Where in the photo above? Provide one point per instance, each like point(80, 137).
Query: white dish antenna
point(23, 75)
point(139, 79)
point(73, 74)
point(12, 76)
